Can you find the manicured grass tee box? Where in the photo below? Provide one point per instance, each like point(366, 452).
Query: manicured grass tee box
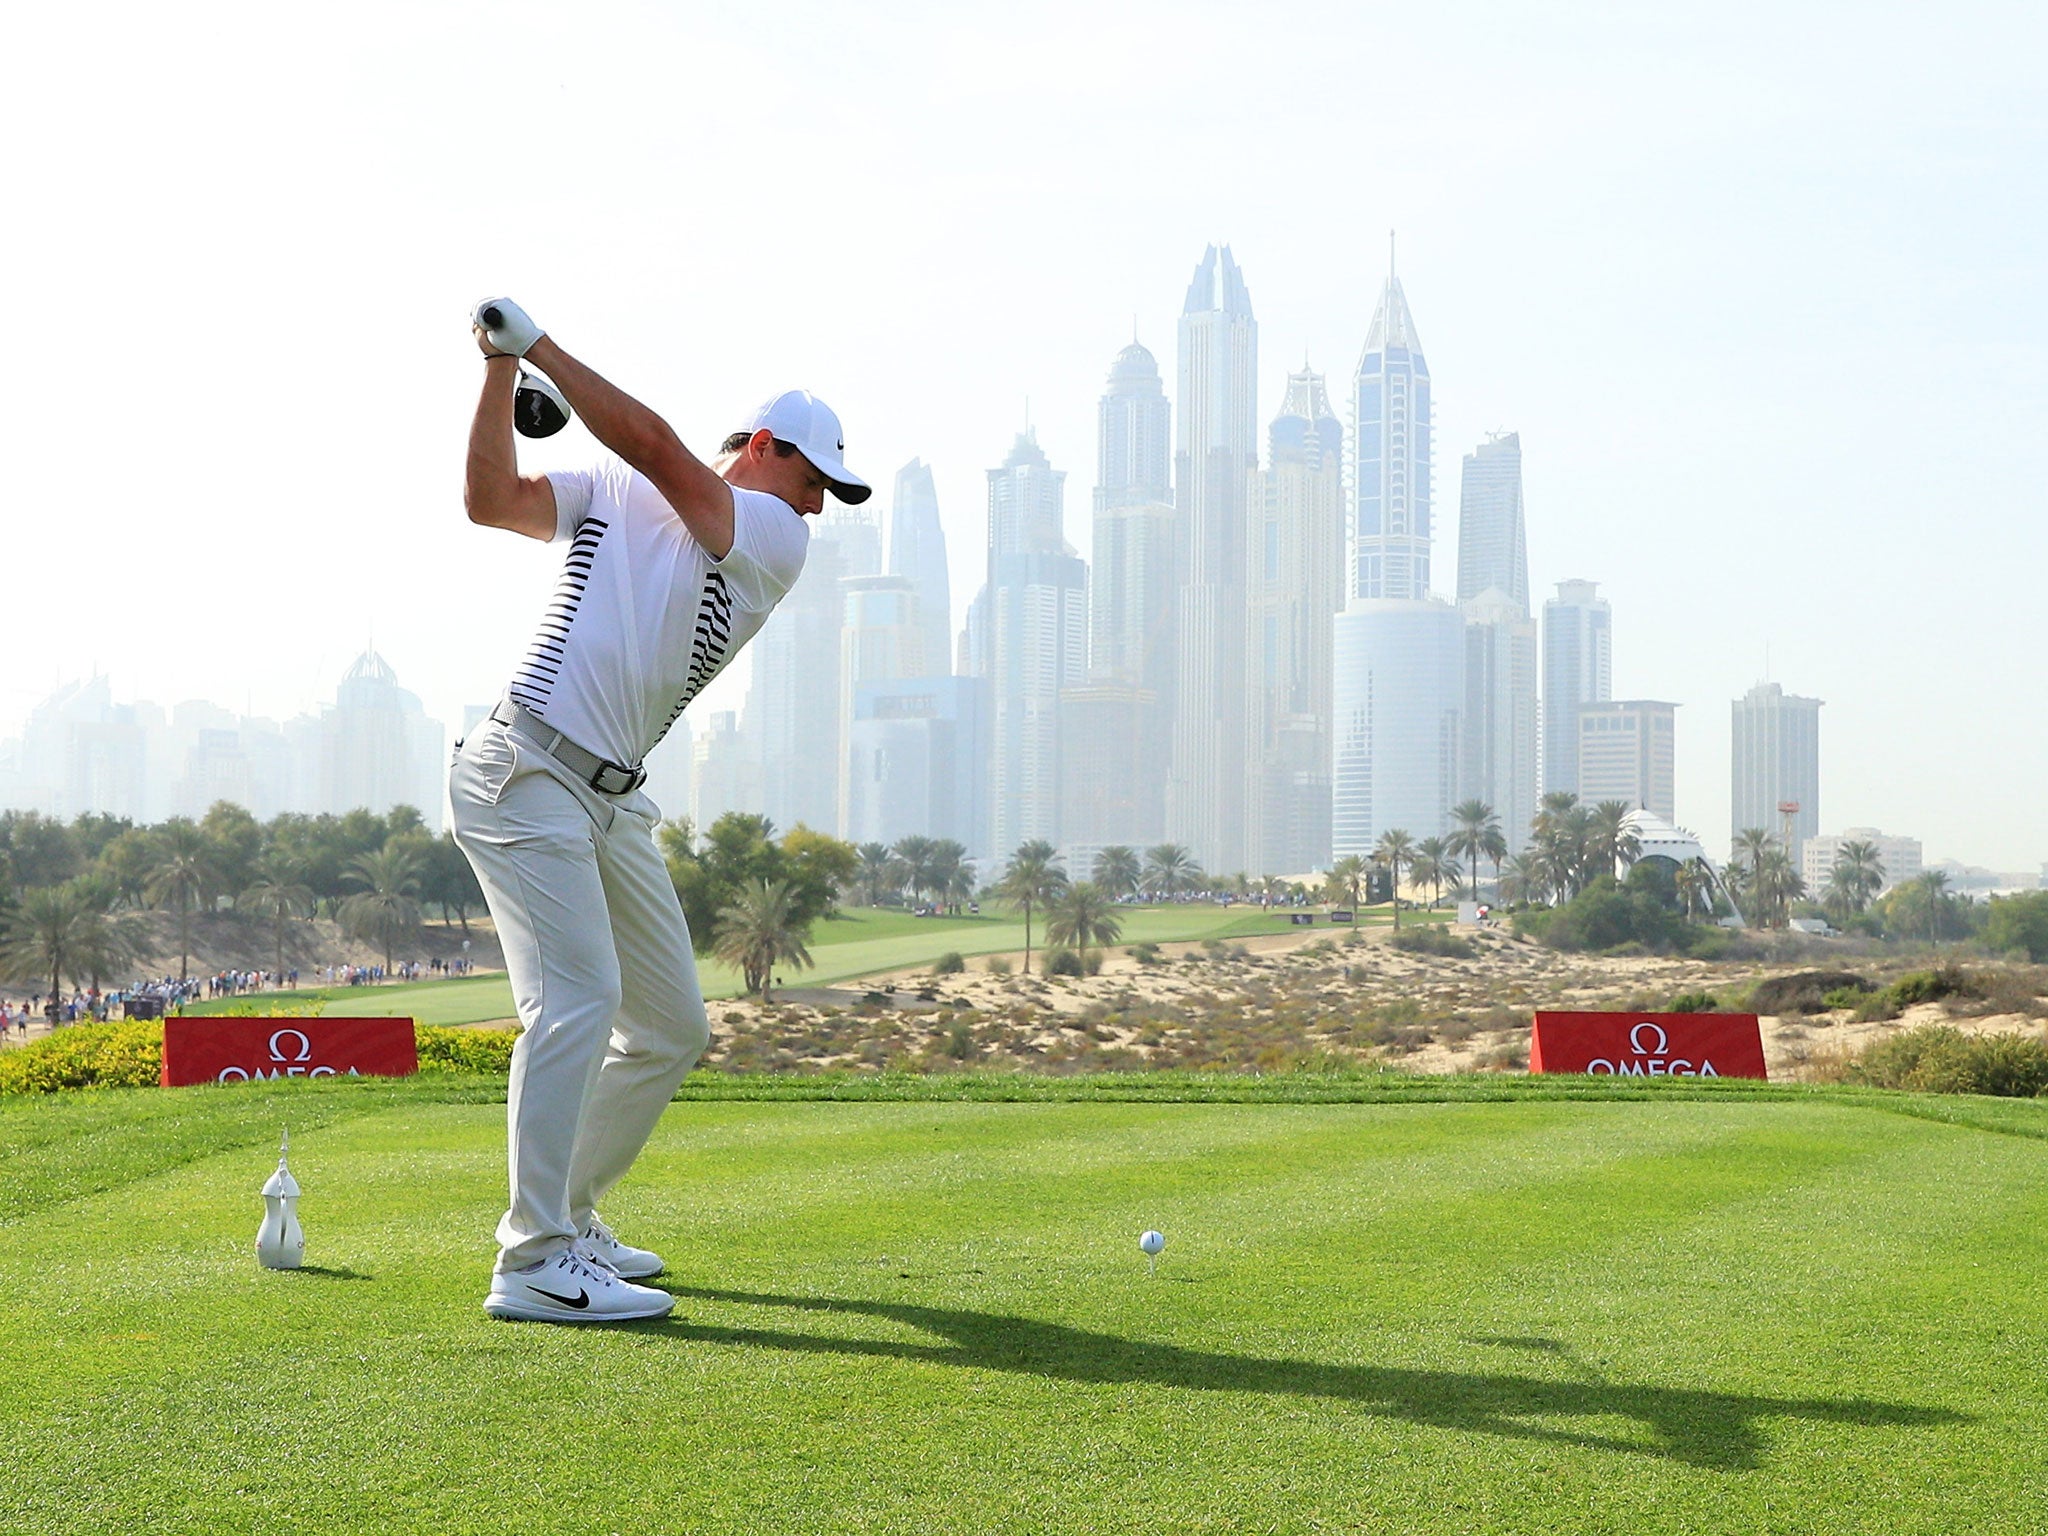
point(1660, 1312)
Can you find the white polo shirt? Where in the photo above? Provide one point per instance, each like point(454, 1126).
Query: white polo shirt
point(642, 617)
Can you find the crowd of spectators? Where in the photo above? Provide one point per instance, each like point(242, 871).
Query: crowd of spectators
point(151, 998)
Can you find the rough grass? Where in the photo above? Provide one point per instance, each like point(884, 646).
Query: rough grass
point(1764, 1310)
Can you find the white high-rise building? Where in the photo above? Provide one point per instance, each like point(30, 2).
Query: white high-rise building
point(1901, 857)
point(1293, 562)
point(1399, 656)
point(1216, 449)
point(1493, 543)
point(1127, 703)
point(725, 772)
point(791, 721)
point(1500, 766)
point(1578, 668)
point(1776, 763)
point(881, 640)
point(1399, 693)
point(917, 551)
point(1037, 644)
point(1390, 514)
point(1627, 752)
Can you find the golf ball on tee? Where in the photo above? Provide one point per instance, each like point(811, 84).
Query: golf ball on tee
point(1152, 1242)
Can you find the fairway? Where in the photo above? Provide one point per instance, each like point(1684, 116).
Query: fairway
point(857, 942)
point(1658, 1314)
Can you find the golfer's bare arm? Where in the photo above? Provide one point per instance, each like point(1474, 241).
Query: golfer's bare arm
point(494, 493)
point(636, 434)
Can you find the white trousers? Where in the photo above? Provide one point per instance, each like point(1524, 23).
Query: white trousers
point(602, 974)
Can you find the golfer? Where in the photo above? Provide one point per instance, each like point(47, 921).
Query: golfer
point(672, 566)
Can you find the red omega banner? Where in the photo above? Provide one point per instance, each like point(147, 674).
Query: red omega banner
point(201, 1050)
point(1648, 1044)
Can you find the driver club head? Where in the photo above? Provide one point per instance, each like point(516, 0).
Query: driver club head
point(538, 409)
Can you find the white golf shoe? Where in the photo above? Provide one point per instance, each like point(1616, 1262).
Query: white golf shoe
point(569, 1288)
point(624, 1260)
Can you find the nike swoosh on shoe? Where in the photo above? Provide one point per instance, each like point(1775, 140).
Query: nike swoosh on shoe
point(579, 1301)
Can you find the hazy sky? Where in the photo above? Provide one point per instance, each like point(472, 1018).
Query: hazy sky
point(1760, 286)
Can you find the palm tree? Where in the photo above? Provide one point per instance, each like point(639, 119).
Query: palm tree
point(873, 873)
point(1774, 884)
point(1171, 869)
point(1857, 877)
point(1609, 839)
point(960, 885)
point(915, 855)
point(279, 894)
point(1394, 849)
point(943, 869)
point(1347, 879)
point(756, 932)
point(1117, 870)
point(385, 908)
point(1559, 834)
point(1523, 879)
point(1428, 865)
point(66, 931)
point(1033, 877)
point(181, 872)
point(1745, 859)
point(1494, 844)
point(1475, 821)
point(1695, 885)
point(1935, 883)
point(1082, 915)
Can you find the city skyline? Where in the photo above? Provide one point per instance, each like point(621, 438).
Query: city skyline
point(1606, 220)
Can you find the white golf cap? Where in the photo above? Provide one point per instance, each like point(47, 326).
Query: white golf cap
point(809, 425)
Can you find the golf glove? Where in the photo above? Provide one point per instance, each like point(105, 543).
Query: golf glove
point(513, 330)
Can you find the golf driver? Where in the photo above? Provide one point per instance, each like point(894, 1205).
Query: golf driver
point(538, 409)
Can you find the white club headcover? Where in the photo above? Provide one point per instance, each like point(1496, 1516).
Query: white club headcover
point(509, 327)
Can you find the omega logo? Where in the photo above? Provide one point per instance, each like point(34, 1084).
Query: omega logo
point(1650, 1060)
point(290, 1063)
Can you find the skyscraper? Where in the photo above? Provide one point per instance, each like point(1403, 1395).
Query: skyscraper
point(1398, 695)
point(1390, 521)
point(1216, 448)
point(1499, 730)
point(791, 720)
point(1128, 698)
point(1492, 542)
point(1037, 636)
point(1133, 451)
point(1627, 752)
point(1578, 668)
point(917, 550)
point(1293, 559)
point(1776, 762)
point(881, 640)
point(1399, 657)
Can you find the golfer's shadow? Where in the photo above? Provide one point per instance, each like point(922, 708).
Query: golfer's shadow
point(1717, 1430)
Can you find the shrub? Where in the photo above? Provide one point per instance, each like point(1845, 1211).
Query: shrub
point(997, 965)
point(445, 1048)
point(1939, 1058)
point(949, 964)
point(1802, 991)
point(1064, 962)
point(1146, 953)
point(1434, 939)
point(1695, 1002)
point(1928, 986)
point(2019, 923)
point(129, 1054)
